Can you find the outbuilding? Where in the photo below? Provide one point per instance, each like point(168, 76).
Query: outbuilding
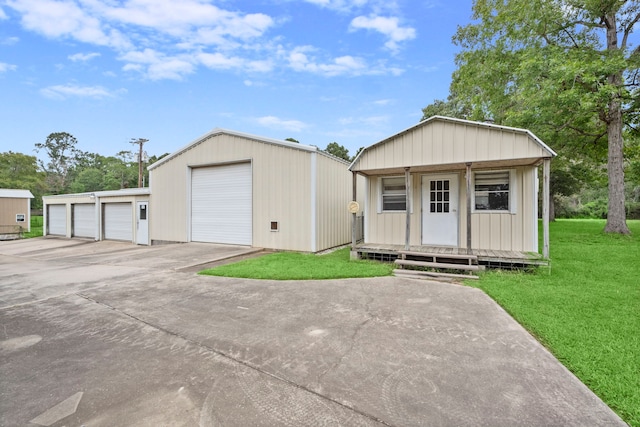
point(455, 187)
point(235, 188)
point(101, 215)
point(15, 211)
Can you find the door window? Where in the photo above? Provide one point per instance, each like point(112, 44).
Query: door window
point(439, 196)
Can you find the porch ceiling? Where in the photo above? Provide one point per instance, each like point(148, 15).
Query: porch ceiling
point(493, 164)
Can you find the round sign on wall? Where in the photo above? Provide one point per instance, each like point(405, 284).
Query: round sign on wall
point(354, 207)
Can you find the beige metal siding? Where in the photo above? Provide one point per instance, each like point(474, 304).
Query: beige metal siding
point(510, 231)
point(442, 143)
point(390, 227)
point(334, 192)
point(9, 207)
point(496, 231)
point(281, 190)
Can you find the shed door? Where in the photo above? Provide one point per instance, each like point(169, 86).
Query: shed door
point(221, 203)
point(118, 221)
point(57, 219)
point(84, 220)
point(440, 210)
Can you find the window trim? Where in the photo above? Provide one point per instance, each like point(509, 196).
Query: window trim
point(381, 195)
point(512, 192)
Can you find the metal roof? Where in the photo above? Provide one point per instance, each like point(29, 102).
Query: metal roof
point(461, 121)
point(15, 194)
point(221, 131)
point(107, 193)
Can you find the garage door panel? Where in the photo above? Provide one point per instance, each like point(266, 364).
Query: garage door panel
point(84, 220)
point(57, 219)
point(118, 221)
point(221, 204)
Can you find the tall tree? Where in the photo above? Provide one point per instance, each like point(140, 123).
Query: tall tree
point(60, 148)
point(338, 150)
point(20, 171)
point(563, 68)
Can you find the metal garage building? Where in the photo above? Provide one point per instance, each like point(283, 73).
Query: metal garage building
point(101, 215)
point(235, 188)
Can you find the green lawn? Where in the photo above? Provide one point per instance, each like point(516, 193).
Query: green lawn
point(36, 228)
point(297, 266)
point(587, 311)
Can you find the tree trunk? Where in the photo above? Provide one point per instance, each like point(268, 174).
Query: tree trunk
point(552, 208)
point(616, 215)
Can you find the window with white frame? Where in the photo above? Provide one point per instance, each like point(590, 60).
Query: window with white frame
point(492, 191)
point(394, 194)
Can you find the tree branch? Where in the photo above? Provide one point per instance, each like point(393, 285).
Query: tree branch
point(628, 31)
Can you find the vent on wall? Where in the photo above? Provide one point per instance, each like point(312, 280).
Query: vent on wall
point(274, 225)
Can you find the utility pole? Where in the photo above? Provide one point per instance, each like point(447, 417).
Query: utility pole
point(140, 142)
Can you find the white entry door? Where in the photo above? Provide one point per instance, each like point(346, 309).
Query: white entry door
point(440, 210)
point(142, 223)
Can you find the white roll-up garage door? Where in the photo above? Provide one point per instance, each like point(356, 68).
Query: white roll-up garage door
point(57, 219)
point(221, 203)
point(84, 220)
point(118, 221)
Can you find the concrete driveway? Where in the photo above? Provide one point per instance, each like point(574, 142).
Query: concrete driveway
point(108, 333)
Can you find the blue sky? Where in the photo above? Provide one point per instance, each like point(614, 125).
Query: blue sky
point(106, 71)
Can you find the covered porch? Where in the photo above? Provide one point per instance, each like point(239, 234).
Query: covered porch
point(486, 257)
point(450, 186)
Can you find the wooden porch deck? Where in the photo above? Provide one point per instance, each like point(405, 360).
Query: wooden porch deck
point(489, 258)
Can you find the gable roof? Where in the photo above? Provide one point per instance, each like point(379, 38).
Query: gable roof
point(221, 131)
point(15, 194)
point(543, 149)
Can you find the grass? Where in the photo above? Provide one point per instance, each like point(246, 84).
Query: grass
point(587, 311)
point(36, 228)
point(297, 266)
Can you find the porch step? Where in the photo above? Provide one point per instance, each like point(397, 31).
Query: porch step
point(435, 255)
point(441, 265)
point(419, 274)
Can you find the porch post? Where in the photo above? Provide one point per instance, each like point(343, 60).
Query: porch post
point(546, 172)
point(407, 189)
point(354, 218)
point(468, 178)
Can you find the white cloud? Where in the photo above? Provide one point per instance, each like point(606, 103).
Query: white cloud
point(157, 66)
point(71, 90)
point(3, 15)
point(388, 26)
point(339, 5)
point(4, 67)
point(280, 124)
point(383, 102)
point(300, 59)
point(9, 41)
point(373, 121)
point(83, 57)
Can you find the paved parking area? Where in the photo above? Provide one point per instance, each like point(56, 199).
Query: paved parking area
point(108, 333)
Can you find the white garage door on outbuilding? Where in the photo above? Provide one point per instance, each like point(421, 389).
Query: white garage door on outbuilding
point(57, 220)
point(118, 221)
point(221, 204)
point(84, 220)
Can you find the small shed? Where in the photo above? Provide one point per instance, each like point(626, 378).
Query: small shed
point(100, 215)
point(15, 211)
point(455, 186)
point(235, 188)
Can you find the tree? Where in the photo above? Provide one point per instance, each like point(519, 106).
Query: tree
point(292, 140)
point(20, 171)
point(452, 107)
point(61, 149)
point(562, 68)
point(338, 150)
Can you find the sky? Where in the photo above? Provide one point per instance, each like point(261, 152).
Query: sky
point(320, 71)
